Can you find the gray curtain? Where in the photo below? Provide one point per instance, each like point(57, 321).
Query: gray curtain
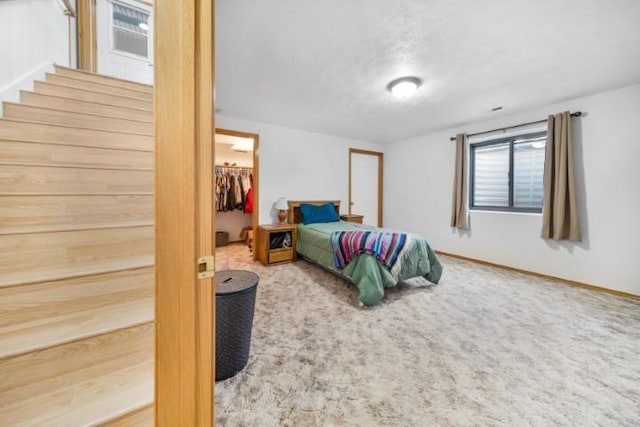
point(560, 207)
point(459, 213)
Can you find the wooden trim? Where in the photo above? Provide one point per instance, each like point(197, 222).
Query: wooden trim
point(87, 38)
point(380, 188)
point(349, 202)
point(137, 418)
point(255, 217)
point(360, 151)
point(380, 178)
point(256, 192)
point(205, 218)
point(184, 111)
point(543, 276)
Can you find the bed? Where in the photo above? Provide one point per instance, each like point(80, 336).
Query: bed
point(366, 272)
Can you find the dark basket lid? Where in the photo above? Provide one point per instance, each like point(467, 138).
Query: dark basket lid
point(229, 282)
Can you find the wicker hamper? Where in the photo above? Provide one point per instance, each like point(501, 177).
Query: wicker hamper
point(235, 302)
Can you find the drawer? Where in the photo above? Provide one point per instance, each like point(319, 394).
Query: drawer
point(280, 256)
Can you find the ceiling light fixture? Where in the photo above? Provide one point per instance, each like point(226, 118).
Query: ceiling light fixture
point(404, 86)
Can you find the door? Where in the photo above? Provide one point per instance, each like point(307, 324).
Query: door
point(125, 39)
point(365, 185)
point(185, 294)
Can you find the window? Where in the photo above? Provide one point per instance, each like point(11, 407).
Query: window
point(130, 30)
point(507, 173)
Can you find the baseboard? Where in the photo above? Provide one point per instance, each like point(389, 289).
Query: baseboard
point(544, 276)
point(11, 91)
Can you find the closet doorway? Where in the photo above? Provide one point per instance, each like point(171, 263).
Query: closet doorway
point(365, 185)
point(236, 187)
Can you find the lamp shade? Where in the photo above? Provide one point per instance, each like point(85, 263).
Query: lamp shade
point(281, 204)
point(404, 86)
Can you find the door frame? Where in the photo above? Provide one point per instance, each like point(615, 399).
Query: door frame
point(184, 117)
point(87, 35)
point(255, 216)
point(380, 178)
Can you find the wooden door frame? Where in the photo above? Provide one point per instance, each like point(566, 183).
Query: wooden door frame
point(380, 178)
point(255, 217)
point(87, 35)
point(184, 118)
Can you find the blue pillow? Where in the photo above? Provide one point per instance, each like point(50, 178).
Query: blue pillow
point(314, 213)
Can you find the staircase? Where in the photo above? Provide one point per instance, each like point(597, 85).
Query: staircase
point(76, 253)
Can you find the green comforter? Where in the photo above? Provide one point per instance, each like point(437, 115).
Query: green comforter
point(365, 271)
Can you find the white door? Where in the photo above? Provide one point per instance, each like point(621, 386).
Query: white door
point(365, 186)
point(125, 40)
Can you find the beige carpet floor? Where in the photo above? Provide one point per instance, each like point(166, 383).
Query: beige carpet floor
point(485, 347)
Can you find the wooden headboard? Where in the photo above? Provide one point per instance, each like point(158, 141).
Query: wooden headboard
point(295, 217)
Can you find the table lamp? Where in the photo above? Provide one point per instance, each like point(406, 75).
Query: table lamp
point(282, 207)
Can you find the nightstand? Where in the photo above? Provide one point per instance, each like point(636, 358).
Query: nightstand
point(352, 218)
point(276, 243)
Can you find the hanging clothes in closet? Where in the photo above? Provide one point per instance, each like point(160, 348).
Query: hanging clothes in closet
point(231, 187)
point(248, 203)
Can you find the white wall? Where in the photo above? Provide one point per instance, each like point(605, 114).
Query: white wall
point(419, 175)
point(299, 165)
point(33, 35)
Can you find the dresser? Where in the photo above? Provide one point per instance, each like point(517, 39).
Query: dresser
point(276, 243)
point(352, 218)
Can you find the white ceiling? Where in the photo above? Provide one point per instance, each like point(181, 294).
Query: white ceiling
point(324, 65)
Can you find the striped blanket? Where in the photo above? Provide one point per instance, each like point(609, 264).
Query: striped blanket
point(385, 246)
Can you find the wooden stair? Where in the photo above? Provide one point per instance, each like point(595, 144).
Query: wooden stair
point(104, 80)
point(79, 120)
point(85, 382)
point(76, 253)
point(92, 96)
point(75, 83)
point(47, 314)
point(46, 133)
point(84, 107)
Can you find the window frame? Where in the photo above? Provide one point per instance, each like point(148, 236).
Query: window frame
point(112, 44)
point(472, 159)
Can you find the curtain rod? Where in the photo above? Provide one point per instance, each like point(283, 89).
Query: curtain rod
point(234, 167)
point(576, 114)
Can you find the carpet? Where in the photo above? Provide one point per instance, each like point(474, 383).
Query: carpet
point(485, 347)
